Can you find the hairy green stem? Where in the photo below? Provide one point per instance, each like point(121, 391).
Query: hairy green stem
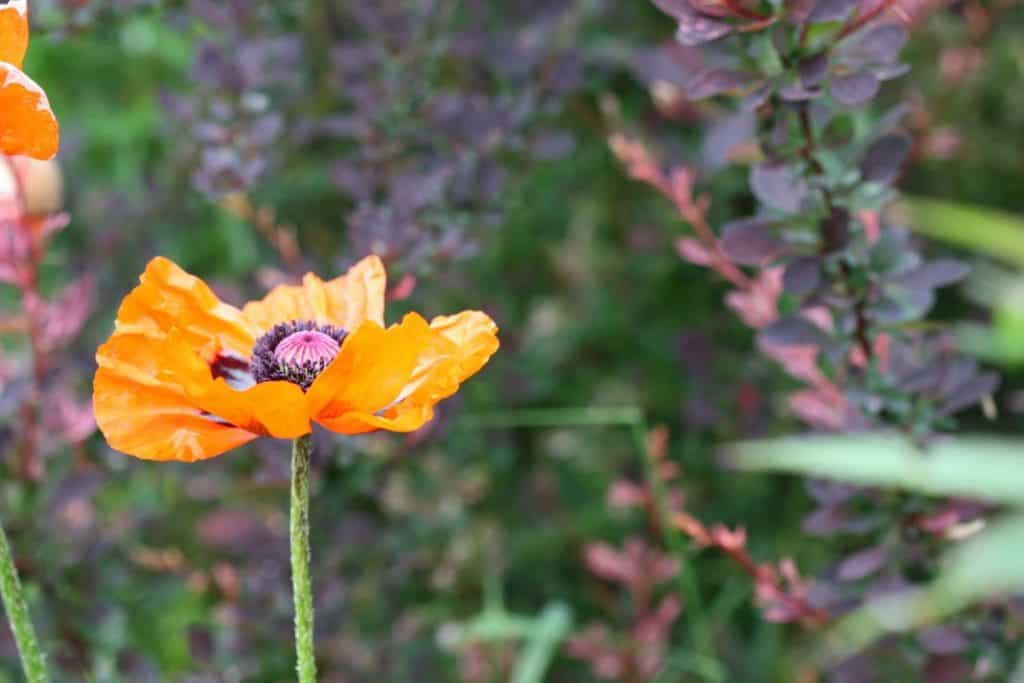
point(32, 659)
point(302, 588)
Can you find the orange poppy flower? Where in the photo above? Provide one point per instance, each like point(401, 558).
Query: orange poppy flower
point(186, 376)
point(27, 124)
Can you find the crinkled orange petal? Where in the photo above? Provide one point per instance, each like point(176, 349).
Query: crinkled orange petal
point(27, 124)
point(345, 301)
point(275, 409)
point(154, 394)
point(476, 339)
point(156, 399)
point(170, 298)
point(143, 415)
point(13, 32)
point(371, 369)
point(407, 420)
point(448, 351)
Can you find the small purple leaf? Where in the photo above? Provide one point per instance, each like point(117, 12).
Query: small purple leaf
point(700, 30)
point(890, 71)
point(813, 69)
point(956, 373)
point(725, 135)
point(793, 330)
point(879, 44)
point(826, 520)
point(921, 380)
point(750, 243)
point(831, 10)
point(776, 186)
point(677, 9)
point(862, 564)
point(798, 10)
point(942, 640)
point(797, 92)
point(715, 82)
point(835, 230)
point(932, 275)
point(885, 157)
point(694, 28)
point(971, 392)
point(756, 98)
point(802, 276)
point(911, 304)
point(855, 89)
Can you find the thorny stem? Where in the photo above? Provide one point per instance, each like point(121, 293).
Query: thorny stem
point(860, 22)
point(302, 589)
point(808, 152)
point(632, 418)
point(663, 513)
point(697, 218)
point(33, 662)
point(808, 613)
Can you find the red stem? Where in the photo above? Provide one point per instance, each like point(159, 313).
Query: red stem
point(28, 462)
point(856, 24)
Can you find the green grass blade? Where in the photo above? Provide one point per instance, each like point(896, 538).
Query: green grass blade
point(976, 467)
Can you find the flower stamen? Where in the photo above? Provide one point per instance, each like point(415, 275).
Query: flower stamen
point(306, 347)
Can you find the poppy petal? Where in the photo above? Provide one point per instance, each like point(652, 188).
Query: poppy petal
point(156, 399)
point(27, 124)
point(275, 409)
point(14, 32)
point(345, 301)
point(408, 419)
point(447, 352)
point(476, 339)
point(371, 369)
point(144, 416)
point(170, 298)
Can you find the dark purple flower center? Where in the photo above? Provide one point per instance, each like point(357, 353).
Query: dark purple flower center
point(296, 351)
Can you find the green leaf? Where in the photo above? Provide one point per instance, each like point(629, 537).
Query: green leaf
point(976, 467)
point(541, 636)
point(986, 231)
point(551, 627)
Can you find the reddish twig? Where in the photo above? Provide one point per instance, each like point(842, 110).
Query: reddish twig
point(858, 23)
point(678, 187)
point(29, 466)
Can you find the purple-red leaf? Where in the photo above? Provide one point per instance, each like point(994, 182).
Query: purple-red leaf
point(717, 81)
point(694, 28)
point(885, 157)
point(793, 330)
point(725, 135)
point(855, 89)
point(778, 187)
point(61, 320)
point(831, 10)
point(862, 564)
point(802, 276)
point(932, 275)
point(750, 242)
point(813, 69)
point(701, 29)
point(971, 392)
point(879, 44)
point(943, 640)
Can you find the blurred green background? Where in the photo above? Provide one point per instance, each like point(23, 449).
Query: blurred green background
point(165, 572)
